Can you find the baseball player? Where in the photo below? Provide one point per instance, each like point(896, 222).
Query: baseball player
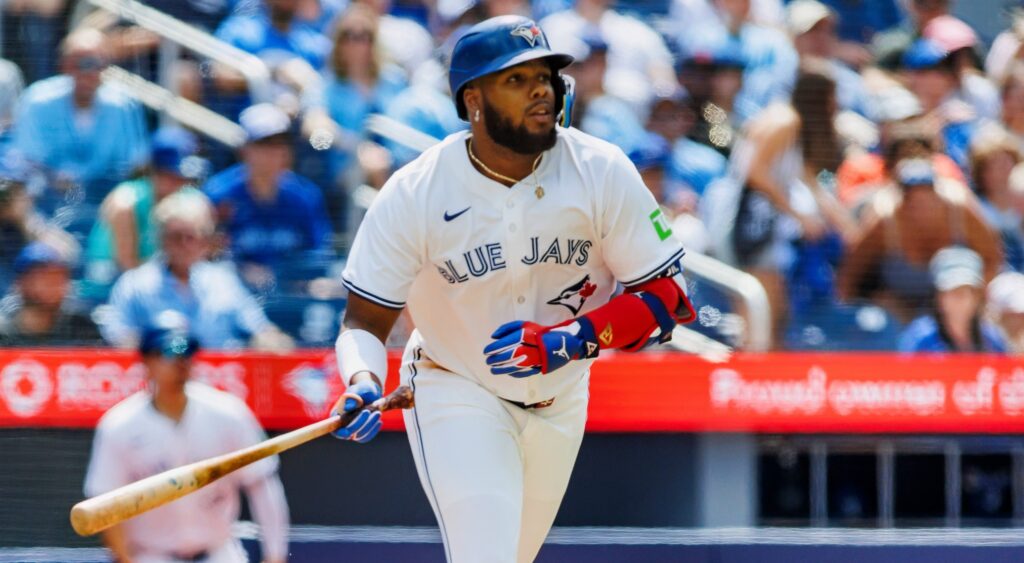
point(172, 423)
point(509, 243)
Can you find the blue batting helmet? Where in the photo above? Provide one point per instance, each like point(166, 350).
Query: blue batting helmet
point(496, 44)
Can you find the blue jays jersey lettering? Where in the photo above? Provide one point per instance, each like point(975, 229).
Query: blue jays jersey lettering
point(466, 253)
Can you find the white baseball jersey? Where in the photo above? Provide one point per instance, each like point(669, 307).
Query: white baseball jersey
point(134, 440)
point(468, 254)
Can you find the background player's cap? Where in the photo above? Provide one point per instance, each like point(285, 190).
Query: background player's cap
point(169, 336)
point(262, 121)
point(956, 266)
point(496, 44)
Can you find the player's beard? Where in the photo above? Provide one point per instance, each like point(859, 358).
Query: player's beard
point(518, 139)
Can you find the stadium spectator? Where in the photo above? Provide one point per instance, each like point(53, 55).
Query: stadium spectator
point(862, 173)
point(210, 295)
point(403, 40)
point(652, 154)
point(763, 12)
point(39, 312)
point(87, 135)
point(426, 105)
point(597, 112)
point(692, 165)
point(275, 35)
point(812, 25)
point(172, 422)
point(125, 235)
point(1006, 308)
point(358, 82)
point(889, 46)
point(320, 14)
point(1013, 102)
point(770, 60)
point(905, 227)
point(712, 75)
point(20, 223)
point(931, 76)
point(994, 154)
point(274, 219)
point(956, 323)
point(31, 31)
point(11, 85)
point(859, 21)
point(206, 15)
point(961, 45)
point(639, 61)
point(783, 217)
point(1006, 50)
point(292, 49)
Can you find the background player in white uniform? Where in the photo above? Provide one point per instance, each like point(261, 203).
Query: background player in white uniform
point(517, 220)
point(172, 423)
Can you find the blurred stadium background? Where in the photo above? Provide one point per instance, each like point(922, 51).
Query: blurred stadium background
point(857, 392)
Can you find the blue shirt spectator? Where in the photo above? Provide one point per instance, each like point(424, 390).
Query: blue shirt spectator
point(210, 295)
point(956, 324)
point(925, 334)
point(266, 230)
point(695, 165)
point(358, 82)
point(225, 315)
point(768, 55)
point(275, 36)
point(269, 213)
point(11, 85)
point(86, 134)
point(860, 20)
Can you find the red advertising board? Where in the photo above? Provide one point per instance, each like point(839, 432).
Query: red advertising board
point(655, 392)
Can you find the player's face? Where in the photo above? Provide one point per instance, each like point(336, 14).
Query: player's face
point(168, 374)
point(519, 107)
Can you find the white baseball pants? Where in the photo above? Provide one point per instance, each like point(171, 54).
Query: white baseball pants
point(494, 473)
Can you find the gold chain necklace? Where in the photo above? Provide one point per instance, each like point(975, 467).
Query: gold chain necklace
point(539, 192)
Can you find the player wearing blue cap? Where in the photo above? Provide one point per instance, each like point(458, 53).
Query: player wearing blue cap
point(172, 422)
point(508, 243)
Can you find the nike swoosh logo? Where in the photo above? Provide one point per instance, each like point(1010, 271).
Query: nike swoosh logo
point(450, 217)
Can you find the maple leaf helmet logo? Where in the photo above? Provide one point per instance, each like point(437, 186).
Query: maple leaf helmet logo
point(574, 296)
point(530, 32)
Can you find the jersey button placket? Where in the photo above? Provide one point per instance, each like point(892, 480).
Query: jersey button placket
point(516, 245)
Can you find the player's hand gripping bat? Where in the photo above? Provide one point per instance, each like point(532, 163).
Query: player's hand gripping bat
point(103, 511)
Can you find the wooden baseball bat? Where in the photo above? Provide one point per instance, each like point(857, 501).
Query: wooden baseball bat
point(103, 511)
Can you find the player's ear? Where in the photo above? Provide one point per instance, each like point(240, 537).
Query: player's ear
point(472, 98)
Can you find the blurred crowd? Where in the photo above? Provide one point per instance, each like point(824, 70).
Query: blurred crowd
point(861, 158)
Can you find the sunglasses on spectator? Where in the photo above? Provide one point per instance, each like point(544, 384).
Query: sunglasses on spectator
point(88, 64)
point(357, 35)
point(181, 236)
